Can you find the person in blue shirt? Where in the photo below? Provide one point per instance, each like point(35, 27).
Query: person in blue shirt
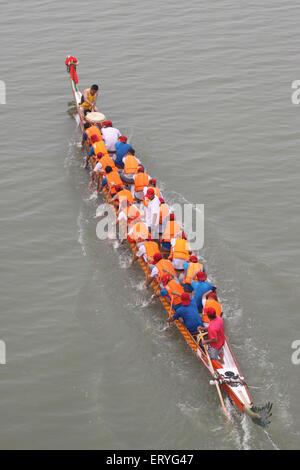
point(200, 287)
point(122, 148)
point(188, 314)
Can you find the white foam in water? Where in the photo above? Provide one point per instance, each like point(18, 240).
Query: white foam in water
point(80, 224)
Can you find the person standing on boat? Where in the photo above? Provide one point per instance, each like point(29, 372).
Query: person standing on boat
point(122, 148)
point(152, 213)
point(88, 101)
point(200, 288)
point(216, 335)
point(188, 314)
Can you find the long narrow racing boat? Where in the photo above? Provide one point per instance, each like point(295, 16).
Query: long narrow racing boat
point(227, 375)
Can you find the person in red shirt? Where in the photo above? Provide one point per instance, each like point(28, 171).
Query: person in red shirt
point(216, 335)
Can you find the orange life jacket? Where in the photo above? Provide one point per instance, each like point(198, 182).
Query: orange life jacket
point(93, 130)
point(140, 181)
point(151, 248)
point(192, 269)
point(139, 233)
point(100, 147)
point(211, 303)
point(172, 230)
point(180, 249)
point(107, 161)
point(173, 285)
point(131, 213)
point(125, 194)
point(165, 263)
point(163, 212)
point(113, 179)
point(130, 164)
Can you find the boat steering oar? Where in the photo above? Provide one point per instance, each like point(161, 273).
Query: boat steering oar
point(212, 371)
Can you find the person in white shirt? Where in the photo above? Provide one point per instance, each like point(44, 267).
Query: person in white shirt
point(110, 136)
point(152, 210)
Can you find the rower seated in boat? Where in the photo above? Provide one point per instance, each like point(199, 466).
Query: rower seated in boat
point(164, 212)
point(141, 181)
point(121, 194)
point(188, 314)
point(180, 252)
point(200, 287)
point(160, 265)
point(128, 215)
point(210, 300)
point(191, 267)
point(146, 250)
point(88, 101)
point(122, 148)
point(88, 131)
point(110, 135)
point(215, 335)
point(99, 169)
point(172, 289)
point(172, 230)
point(110, 180)
point(138, 234)
point(131, 164)
point(97, 146)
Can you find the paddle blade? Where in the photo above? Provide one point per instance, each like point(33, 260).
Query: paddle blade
point(264, 414)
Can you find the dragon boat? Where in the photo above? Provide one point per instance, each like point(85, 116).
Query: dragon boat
point(226, 376)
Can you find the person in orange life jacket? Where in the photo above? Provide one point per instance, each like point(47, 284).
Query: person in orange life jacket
point(141, 180)
point(210, 300)
point(121, 194)
point(152, 213)
point(131, 164)
point(138, 234)
point(216, 336)
point(172, 289)
point(172, 230)
point(164, 212)
point(98, 146)
point(88, 131)
point(160, 265)
point(191, 267)
point(111, 179)
point(146, 250)
point(200, 288)
point(99, 168)
point(110, 135)
point(128, 214)
point(188, 314)
point(180, 252)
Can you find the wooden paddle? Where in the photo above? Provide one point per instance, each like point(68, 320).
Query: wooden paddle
point(212, 371)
